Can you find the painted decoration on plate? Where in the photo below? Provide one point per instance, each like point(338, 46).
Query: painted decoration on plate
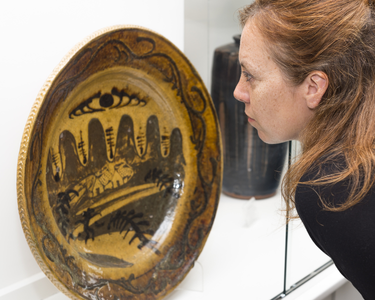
point(120, 168)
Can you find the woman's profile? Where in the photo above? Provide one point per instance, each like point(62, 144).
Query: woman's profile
point(308, 74)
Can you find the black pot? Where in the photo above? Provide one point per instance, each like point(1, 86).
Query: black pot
point(252, 168)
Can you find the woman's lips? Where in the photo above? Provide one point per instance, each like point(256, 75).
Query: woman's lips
point(250, 119)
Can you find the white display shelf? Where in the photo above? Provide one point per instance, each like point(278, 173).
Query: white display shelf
point(244, 254)
point(320, 287)
point(242, 259)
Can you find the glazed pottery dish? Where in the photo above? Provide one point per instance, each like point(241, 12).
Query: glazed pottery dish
point(120, 168)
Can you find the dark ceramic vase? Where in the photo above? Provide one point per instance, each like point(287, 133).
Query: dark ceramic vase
point(252, 168)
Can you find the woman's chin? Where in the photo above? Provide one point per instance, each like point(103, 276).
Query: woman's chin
point(270, 139)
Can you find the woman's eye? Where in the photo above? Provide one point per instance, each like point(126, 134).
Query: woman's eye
point(247, 76)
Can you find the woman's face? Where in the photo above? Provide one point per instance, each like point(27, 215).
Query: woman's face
point(275, 108)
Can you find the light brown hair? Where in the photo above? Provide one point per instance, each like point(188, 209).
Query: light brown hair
point(336, 37)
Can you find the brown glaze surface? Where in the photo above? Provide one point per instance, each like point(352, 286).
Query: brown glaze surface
point(120, 168)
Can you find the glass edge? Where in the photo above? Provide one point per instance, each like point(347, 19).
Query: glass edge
point(303, 281)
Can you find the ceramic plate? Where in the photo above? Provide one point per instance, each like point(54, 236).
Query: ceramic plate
point(120, 168)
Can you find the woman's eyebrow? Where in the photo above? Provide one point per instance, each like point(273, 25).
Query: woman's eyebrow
point(248, 67)
point(245, 65)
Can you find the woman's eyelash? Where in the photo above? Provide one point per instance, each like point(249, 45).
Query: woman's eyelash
point(247, 76)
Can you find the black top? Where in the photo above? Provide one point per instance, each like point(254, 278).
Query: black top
point(348, 237)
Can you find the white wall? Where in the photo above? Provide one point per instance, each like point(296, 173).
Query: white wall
point(208, 25)
point(35, 36)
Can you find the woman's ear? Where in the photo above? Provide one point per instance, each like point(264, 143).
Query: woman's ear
point(316, 83)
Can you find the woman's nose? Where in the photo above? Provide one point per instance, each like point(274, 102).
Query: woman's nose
point(240, 93)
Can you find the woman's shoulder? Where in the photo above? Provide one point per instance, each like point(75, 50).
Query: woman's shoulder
point(310, 196)
point(346, 236)
point(325, 166)
point(312, 203)
point(332, 194)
